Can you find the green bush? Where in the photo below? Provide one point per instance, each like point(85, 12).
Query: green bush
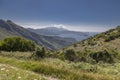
point(104, 56)
point(40, 53)
point(17, 44)
point(70, 55)
point(112, 36)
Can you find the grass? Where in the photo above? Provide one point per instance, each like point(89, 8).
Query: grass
point(8, 72)
point(66, 70)
point(18, 55)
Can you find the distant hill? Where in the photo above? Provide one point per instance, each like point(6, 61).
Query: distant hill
point(104, 46)
point(9, 28)
point(109, 39)
point(61, 32)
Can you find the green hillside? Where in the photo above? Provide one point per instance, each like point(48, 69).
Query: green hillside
point(101, 47)
point(106, 40)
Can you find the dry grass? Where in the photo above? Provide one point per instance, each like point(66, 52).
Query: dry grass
point(8, 72)
point(62, 70)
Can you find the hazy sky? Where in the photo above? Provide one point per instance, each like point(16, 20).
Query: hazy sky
point(81, 15)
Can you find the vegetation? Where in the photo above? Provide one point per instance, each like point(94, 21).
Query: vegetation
point(96, 58)
point(102, 47)
point(65, 70)
point(70, 55)
point(104, 56)
point(39, 53)
point(8, 72)
point(17, 44)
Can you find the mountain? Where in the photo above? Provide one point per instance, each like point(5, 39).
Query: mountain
point(9, 28)
point(61, 32)
point(101, 47)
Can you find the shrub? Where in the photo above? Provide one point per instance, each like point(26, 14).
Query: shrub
point(17, 44)
point(104, 56)
point(70, 55)
point(40, 53)
point(118, 28)
point(75, 45)
point(112, 36)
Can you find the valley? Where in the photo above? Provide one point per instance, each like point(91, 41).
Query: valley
point(59, 39)
point(62, 32)
point(9, 28)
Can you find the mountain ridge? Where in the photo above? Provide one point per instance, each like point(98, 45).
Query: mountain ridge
point(9, 28)
point(62, 32)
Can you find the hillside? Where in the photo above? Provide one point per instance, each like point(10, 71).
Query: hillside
point(55, 68)
point(101, 47)
point(105, 40)
point(62, 32)
point(8, 28)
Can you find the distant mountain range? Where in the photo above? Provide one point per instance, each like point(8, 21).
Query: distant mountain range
point(9, 28)
point(61, 32)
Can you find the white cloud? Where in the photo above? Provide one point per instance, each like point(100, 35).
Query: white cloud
point(84, 28)
point(59, 26)
point(90, 28)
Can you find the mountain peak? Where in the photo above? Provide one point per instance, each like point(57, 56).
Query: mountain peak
point(9, 21)
point(2, 21)
point(55, 28)
point(4, 24)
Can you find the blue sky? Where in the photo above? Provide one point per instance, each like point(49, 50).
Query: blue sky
point(81, 15)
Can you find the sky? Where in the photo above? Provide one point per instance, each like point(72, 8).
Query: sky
point(79, 15)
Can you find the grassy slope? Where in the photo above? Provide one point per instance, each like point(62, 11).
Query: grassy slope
point(98, 43)
point(65, 70)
